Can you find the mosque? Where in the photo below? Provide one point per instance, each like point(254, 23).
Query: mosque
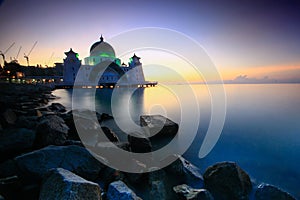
point(102, 69)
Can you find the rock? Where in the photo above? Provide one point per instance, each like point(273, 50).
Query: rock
point(158, 126)
point(29, 122)
point(134, 178)
point(63, 184)
point(227, 180)
point(157, 190)
point(34, 165)
point(12, 188)
point(51, 130)
point(158, 175)
point(105, 116)
point(270, 192)
point(139, 144)
point(9, 187)
point(15, 141)
point(8, 168)
point(9, 116)
point(107, 176)
point(73, 142)
point(57, 107)
point(31, 191)
point(119, 190)
point(72, 132)
point(186, 192)
point(1, 197)
point(186, 171)
point(85, 122)
point(110, 135)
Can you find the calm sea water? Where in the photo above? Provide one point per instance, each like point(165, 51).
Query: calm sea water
point(261, 131)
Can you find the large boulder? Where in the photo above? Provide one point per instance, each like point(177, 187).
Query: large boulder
point(15, 141)
point(227, 180)
point(158, 126)
point(119, 190)
point(110, 135)
point(51, 130)
point(57, 107)
point(270, 192)
point(185, 171)
point(139, 143)
point(34, 165)
point(63, 184)
point(29, 122)
point(186, 192)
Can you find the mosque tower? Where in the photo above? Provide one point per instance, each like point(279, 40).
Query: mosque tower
point(71, 67)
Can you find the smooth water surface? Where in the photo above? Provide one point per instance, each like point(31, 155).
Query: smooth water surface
point(261, 131)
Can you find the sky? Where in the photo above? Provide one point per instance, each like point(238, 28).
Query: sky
point(257, 39)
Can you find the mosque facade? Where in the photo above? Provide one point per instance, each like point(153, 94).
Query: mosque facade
point(103, 69)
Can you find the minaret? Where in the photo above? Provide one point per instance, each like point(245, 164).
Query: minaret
point(136, 74)
point(71, 67)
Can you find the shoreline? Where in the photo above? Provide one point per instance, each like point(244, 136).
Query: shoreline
point(27, 110)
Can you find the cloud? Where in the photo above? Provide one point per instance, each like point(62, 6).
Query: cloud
point(244, 79)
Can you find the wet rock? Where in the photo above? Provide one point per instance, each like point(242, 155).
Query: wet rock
point(57, 107)
point(51, 130)
point(107, 176)
point(29, 122)
point(158, 175)
point(86, 121)
point(119, 190)
point(158, 126)
point(105, 116)
point(185, 171)
point(31, 191)
point(186, 192)
point(15, 141)
point(72, 132)
point(9, 186)
point(9, 116)
point(139, 144)
point(134, 178)
point(63, 184)
point(110, 135)
point(34, 165)
point(8, 168)
point(73, 142)
point(227, 180)
point(157, 190)
point(270, 192)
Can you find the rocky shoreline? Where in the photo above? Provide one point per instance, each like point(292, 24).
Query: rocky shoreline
point(42, 157)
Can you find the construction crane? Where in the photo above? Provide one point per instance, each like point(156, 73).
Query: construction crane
point(49, 60)
point(27, 56)
point(3, 53)
point(15, 60)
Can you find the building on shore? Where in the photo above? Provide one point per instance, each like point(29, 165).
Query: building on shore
point(102, 69)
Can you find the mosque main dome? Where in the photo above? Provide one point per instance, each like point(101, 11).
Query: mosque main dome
point(102, 48)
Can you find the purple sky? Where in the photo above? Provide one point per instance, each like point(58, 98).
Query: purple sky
point(239, 36)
